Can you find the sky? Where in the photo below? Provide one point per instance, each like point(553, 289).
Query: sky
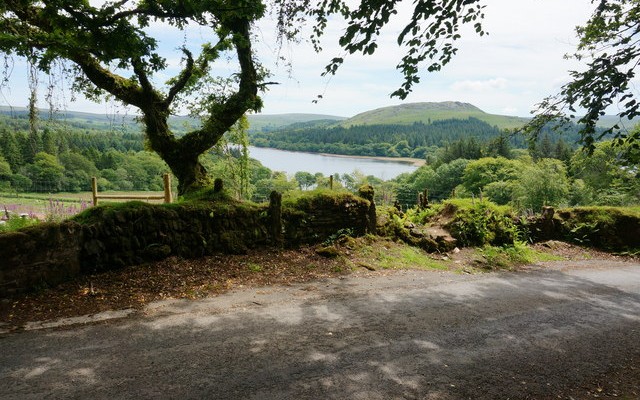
point(506, 72)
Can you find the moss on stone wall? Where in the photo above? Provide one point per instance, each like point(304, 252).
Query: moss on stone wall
point(118, 236)
point(39, 256)
point(311, 217)
point(608, 228)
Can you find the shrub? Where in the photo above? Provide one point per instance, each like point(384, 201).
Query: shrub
point(422, 216)
point(479, 223)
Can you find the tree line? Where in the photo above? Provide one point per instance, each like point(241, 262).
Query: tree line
point(109, 49)
point(530, 179)
point(415, 140)
point(60, 157)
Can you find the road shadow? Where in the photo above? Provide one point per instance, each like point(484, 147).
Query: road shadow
point(505, 335)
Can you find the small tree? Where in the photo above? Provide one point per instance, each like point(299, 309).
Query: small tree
point(46, 173)
point(305, 179)
point(541, 184)
point(5, 174)
point(479, 173)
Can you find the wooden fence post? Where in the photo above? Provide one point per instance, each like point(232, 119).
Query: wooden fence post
point(423, 199)
point(167, 188)
point(94, 190)
point(218, 185)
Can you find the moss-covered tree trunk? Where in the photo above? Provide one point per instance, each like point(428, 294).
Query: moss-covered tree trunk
point(182, 154)
point(182, 160)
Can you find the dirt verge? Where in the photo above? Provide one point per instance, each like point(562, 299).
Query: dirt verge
point(134, 287)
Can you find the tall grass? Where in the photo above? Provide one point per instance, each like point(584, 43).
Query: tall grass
point(57, 210)
point(16, 216)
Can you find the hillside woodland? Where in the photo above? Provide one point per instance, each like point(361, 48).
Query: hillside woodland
point(465, 157)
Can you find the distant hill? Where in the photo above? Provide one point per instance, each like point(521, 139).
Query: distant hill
point(406, 130)
point(403, 114)
point(607, 121)
point(257, 122)
point(409, 113)
point(266, 122)
point(75, 118)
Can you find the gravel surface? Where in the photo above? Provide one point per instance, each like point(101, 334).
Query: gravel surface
point(559, 330)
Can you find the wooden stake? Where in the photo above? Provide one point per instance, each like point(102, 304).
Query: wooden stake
point(167, 188)
point(94, 190)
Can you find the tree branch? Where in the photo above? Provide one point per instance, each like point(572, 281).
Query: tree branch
point(223, 116)
point(123, 89)
point(182, 80)
point(138, 68)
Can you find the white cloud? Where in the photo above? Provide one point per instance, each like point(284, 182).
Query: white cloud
point(489, 85)
point(513, 68)
point(518, 64)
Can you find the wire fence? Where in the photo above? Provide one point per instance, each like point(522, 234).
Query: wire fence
point(60, 198)
point(408, 198)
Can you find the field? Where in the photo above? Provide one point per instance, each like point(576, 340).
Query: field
point(45, 205)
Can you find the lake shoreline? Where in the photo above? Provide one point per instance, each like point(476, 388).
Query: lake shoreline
point(416, 162)
point(291, 162)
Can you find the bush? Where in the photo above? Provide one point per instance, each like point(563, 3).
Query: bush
point(508, 256)
point(422, 216)
point(479, 223)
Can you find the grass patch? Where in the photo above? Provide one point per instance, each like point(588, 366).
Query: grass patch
point(253, 267)
point(205, 194)
point(318, 198)
point(509, 257)
point(13, 224)
point(386, 254)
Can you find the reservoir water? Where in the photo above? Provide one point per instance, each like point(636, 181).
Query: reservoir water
point(291, 162)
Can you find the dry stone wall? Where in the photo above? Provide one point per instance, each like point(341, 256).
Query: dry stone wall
point(39, 256)
point(143, 232)
point(114, 236)
point(606, 228)
point(312, 219)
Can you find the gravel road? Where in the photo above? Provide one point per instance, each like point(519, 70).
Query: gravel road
point(535, 334)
